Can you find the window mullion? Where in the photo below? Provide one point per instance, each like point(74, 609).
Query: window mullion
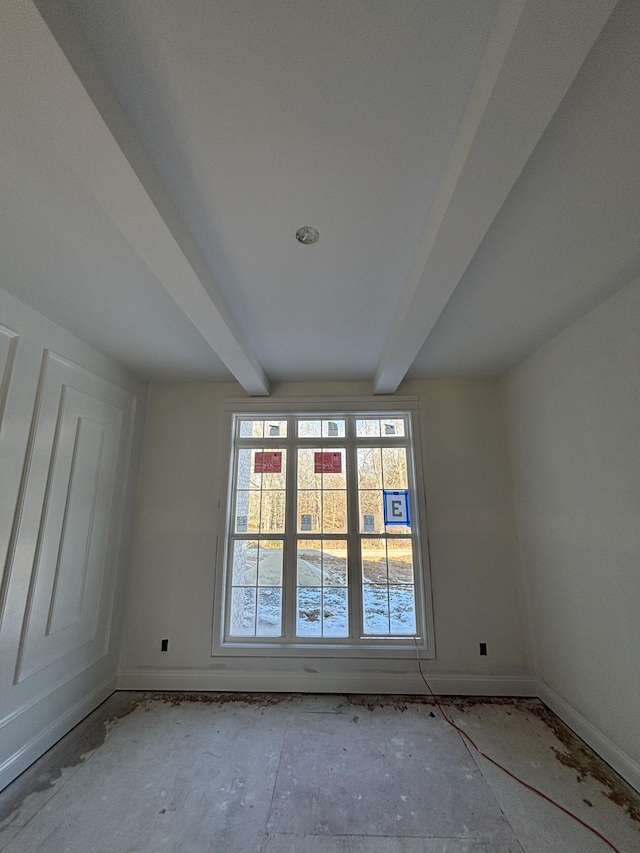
point(355, 591)
point(290, 539)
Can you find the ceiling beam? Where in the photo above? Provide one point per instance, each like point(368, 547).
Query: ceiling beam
point(535, 51)
point(68, 97)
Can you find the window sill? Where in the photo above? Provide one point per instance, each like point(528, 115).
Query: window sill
point(403, 649)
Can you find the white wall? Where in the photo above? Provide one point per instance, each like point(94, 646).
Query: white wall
point(471, 530)
point(70, 435)
point(573, 411)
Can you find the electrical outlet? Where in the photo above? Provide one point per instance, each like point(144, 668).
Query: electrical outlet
point(164, 646)
point(483, 648)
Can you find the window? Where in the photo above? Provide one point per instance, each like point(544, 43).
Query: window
point(322, 547)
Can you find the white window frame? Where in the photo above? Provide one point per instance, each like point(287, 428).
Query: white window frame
point(383, 647)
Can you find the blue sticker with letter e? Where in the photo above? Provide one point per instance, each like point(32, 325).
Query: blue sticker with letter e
point(396, 508)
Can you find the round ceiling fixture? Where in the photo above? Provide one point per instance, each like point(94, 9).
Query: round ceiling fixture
point(307, 235)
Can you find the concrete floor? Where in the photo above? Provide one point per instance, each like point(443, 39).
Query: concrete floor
point(286, 774)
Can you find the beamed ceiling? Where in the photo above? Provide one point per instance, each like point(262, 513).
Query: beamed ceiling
point(472, 168)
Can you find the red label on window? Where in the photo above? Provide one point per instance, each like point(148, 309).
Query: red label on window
point(328, 462)
point(268, 462)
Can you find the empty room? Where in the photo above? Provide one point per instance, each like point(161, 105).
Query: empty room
point(320, 426)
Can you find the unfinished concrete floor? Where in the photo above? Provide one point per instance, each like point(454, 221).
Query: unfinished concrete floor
point(287, 774)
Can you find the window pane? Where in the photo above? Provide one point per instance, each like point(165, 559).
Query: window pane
point(247, 512)
point(264, 468)
point(309, 563)
point(367, 428)
point(310, 429)
point(374, 560)
point(307, 478)
point(330, 428)
point(245, 562)
point(333, 429)
point(322, 563)
point(243, 611)
point(388, 590)
point(247, 478)
point(334, 512)
point(369, 468)
point(251, 429)
point(275, 428)
point(394, 467)
point(309, 615)
point(272, 517)
point(335, 619)
point(392, 426)
point(336, 478)
point(269, 612)
point(322, 593)
point(371, 515)
point(400, 556)
point(402, 609)
point(375, 605)
point(334, 563)
point(270, 564)
point(309, 511)
point(276, 460)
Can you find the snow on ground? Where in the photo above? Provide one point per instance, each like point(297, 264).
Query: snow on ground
point(389, 608)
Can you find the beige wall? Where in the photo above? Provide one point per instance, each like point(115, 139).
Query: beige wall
point(471, 532)
point(573, 412)
point(70, 437)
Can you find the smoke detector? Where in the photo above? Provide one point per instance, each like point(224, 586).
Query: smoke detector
point(307, 235)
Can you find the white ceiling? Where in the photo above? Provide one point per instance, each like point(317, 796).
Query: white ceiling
point(472, 169)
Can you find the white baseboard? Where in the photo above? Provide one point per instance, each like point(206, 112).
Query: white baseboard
point(44, 739)
point(287, 682)
point(600, 743)
point(389, 683)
